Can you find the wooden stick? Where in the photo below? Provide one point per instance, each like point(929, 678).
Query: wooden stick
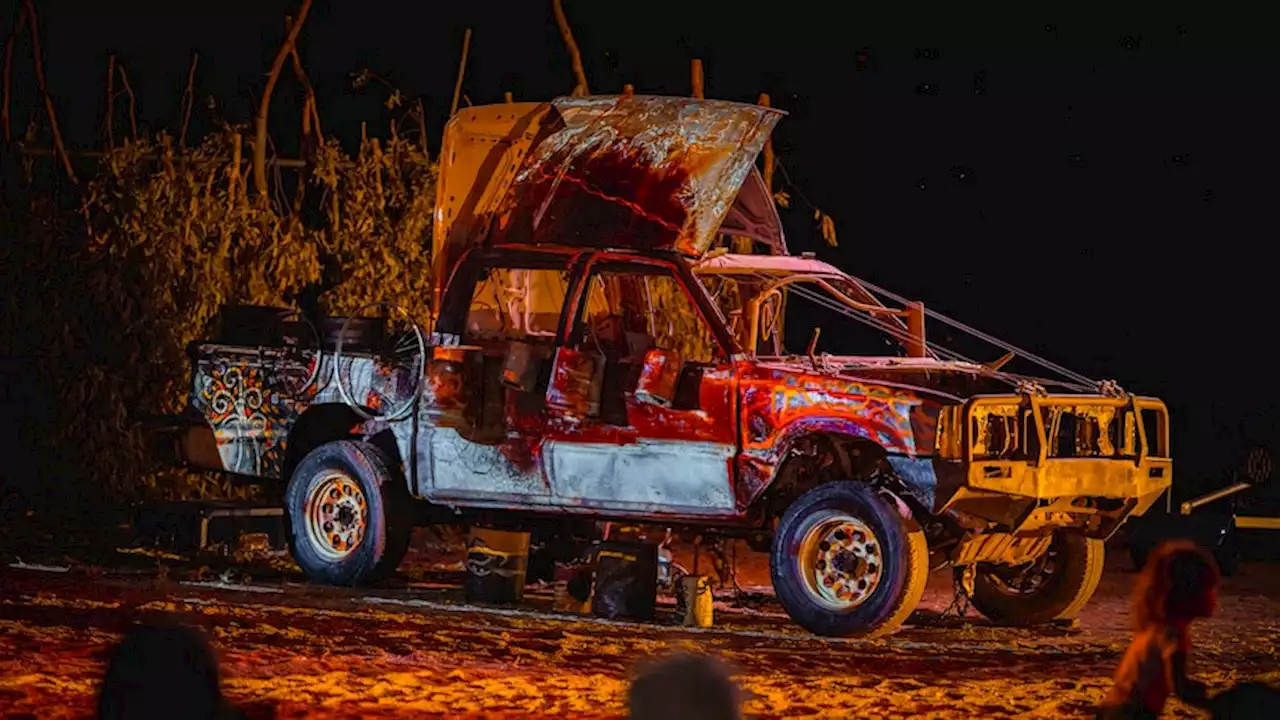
point(37, 58)
point(695, 70)
point(308, 153)
point(8, 70)
point(580, 74)
point(234, 175)
point(260, 132)
point(111, 101)
point(188, 99)
point(422, 131)
point(462, 69)
point(768, 150)
point(306, 119)
point(133, 117)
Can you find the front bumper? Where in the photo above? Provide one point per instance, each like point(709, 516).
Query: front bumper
point(1031, 463)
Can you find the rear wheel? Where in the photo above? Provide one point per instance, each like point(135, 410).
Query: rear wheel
point(845, 562)
point(1055, 586)
point(349, 515)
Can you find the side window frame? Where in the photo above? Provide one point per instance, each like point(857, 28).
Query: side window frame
point(574, 334)
point(455, 304)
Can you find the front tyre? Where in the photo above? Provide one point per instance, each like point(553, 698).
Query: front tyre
point(845, 562)
point(349, 516)
point(1054, 586)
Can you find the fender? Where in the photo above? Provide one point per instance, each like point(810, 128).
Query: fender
point(765, 452)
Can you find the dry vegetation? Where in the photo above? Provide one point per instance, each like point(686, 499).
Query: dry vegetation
point(115, 272)
point(116, 264)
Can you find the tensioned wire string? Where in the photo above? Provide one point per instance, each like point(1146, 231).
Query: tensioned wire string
point(821, 299)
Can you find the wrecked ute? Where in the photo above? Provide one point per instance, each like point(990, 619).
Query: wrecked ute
point(595, 353)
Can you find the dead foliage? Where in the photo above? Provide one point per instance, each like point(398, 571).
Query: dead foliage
point(115, 277)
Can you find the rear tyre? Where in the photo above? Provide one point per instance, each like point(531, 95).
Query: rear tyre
point(349, 516)
point(1055, 586)
point(845, 562)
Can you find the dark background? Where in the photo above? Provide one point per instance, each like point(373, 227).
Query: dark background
point(1092, 186)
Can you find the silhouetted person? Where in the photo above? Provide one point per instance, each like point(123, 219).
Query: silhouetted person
point(685, 687)
point(162, 669)
point(1247, 701)
point(1178, 585)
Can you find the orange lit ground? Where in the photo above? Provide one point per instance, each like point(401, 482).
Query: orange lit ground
point(403, 651)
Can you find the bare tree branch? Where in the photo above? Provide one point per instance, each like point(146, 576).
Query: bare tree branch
point(579, 73)
point(37, 57)
point(260, 135)
point(188, 99)
point(301, 74)
point(422, 130)
point(111, 101)
point(8, 70)
point(462, 69)
point(128, 90)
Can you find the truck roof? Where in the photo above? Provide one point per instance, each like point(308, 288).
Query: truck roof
point(729, 263)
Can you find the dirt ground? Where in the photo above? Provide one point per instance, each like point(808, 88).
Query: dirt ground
point(414, 649)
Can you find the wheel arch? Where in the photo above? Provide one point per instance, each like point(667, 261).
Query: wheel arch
point(815, 455)
point(316, 426)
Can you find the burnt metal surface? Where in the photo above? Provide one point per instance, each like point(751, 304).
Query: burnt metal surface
point(640, 172)
point(246, 398)
point(535, 424)
point(784, 401)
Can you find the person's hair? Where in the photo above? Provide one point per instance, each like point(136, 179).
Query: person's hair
point(161, 668)
point(1173, 586)
point(685, 687)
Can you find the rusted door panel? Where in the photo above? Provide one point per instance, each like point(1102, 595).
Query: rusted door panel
point(460, 467)
point(656, 477)
point(670, 453)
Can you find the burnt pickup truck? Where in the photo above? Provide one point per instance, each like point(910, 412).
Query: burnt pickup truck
point(595, 353)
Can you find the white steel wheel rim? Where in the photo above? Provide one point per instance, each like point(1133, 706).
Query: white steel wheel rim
point(337, 516)
point(841, 560)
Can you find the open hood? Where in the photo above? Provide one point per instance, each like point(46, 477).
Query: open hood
point(642, 172)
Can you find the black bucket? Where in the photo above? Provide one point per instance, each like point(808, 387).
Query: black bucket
point(626, 581)
point(496, 563)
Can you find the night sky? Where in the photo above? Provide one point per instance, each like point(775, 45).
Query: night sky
point(1094, 187)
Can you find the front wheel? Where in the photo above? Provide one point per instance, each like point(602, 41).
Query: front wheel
point(1054, 586)
point(349, 515)
point(845, 562)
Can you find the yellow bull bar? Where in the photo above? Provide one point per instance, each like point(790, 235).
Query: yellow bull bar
point(1137, 467)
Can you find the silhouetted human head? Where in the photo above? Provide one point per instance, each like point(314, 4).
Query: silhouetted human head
point(1179, 584)
point(161, 669)
point(685, 687)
